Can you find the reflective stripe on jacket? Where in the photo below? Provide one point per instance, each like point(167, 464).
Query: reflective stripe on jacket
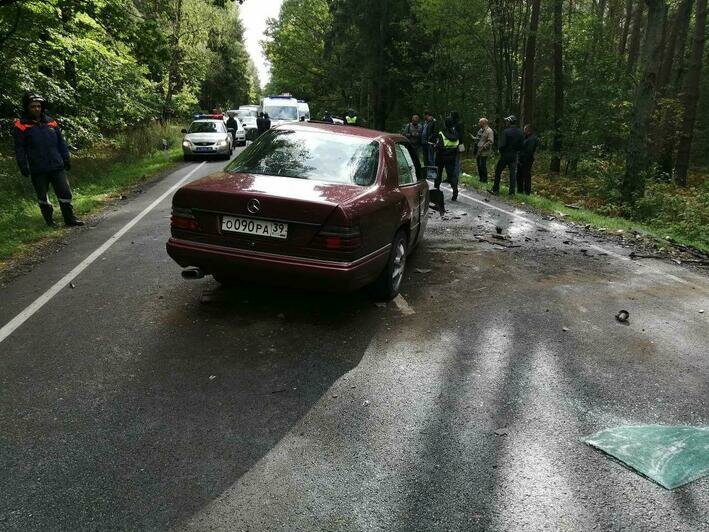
point(39, 145)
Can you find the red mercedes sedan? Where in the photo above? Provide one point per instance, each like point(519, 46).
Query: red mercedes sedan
point(307, 204)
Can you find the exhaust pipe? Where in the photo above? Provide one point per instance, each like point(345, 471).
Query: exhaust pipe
point(192, 273)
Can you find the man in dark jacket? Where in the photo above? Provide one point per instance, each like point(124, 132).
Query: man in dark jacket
point(231, 123)
point(511, 143)
point(42, 155)
point(446, 153)
point(263, 123)
point(429, 134)
point(460, 130)
point(526, 160)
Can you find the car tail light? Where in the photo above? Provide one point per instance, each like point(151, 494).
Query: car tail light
point(340, 238)
point(183, 219)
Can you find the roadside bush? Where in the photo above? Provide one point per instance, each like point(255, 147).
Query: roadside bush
point(147, 138)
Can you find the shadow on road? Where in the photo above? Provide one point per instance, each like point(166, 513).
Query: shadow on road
point(201, 393)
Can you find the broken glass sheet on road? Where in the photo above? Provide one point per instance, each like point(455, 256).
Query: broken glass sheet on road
point(669, 455)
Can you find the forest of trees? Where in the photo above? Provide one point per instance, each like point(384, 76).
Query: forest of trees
point(108, 65)
point(618, 81)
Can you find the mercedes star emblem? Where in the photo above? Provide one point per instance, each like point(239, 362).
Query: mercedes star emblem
point(253, 206)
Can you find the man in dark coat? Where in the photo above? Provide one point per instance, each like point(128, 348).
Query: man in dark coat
point(526, 160)
point(446, 154)
point(263, 123)
point(429, 134)
point(231, 123)
point(43, 156)
point(460, 130)
point(511, 143)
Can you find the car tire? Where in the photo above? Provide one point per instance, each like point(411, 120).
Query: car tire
point(187, 158)
point(388, 284)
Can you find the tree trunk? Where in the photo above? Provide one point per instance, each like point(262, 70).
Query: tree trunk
point(669, 55)
point(529, 93)
point(634, 50)
point(626, 28)
point(633, 183)
point(555, 165)
point(691, 94)
point(668, 88)
point(67, 8)
point(173, 71)
point(683, 31)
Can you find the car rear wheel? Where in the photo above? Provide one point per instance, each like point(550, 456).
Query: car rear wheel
point(387, 285)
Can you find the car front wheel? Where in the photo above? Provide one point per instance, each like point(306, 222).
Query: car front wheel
point(387, 285)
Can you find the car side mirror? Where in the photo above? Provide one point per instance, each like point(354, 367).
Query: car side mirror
point(183, 130)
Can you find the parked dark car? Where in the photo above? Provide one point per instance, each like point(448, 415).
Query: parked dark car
point(315, 205)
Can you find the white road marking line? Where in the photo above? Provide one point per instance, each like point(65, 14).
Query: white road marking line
point(38, 303)
point(594, 246)
point(403, 306)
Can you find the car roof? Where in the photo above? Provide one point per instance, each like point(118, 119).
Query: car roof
point(352, 131)
point(215, 120)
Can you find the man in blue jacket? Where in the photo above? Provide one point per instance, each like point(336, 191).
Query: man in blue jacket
point(43, 156)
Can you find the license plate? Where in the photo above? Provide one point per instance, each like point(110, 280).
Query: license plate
point(250, 226)
point(204, 149)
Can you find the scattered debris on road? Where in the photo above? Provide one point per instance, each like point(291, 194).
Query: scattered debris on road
point(671, 456)
point(622, 316)
point(212, 377)
point(502, 432)
point(565, 329)
point(422, 270)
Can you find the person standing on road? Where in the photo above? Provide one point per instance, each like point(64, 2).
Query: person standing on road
point(460, 130)
point(526, 160)
point(263, 123)
point(446, 153)
point(232, 124)
point(511, 143)
point(483, 147)
point(429, 134)
point(412, 131)
point(43, 156)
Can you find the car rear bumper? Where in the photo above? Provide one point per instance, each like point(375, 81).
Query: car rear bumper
point(279, 269)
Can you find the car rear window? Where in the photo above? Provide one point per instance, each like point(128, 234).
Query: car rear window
point(281, 112)
point(312, 155)
point(206, 127)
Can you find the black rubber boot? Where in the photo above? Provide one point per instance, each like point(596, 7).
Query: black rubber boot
point(47, 214)
point(68, 214)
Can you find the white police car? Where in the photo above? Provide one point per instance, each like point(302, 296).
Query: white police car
point(207, 137)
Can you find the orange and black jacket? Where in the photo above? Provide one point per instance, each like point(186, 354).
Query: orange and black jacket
point(39, 145)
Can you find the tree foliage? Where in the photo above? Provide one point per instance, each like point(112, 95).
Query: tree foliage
point(105, 65)
point(594, 73)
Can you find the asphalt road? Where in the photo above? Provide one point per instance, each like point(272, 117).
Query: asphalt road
point(137, 400)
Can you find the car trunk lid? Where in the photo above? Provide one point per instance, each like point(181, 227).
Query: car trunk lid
point(305, 205)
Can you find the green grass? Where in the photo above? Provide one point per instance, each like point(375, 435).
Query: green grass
point(98, 175)
point(585, 216)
